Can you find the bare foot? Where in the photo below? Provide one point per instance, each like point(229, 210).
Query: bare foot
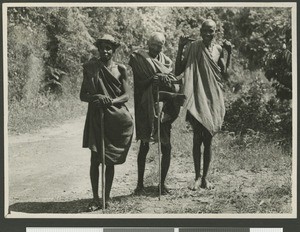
point(195, 185)
point(94, 205)
point(206, 184)
point(164, 190)
point(139, 191)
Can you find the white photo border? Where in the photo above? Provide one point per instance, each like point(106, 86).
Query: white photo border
point(292, 5)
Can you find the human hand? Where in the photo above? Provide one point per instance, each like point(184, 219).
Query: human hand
point(183, 40)
point(227, 46)
point(164, 78)
point(102, 100)
point(155, 79)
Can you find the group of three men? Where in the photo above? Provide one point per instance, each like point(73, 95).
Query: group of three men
point(105, 88)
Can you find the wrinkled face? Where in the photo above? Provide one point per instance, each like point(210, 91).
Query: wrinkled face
point(155, 47)
point(106, 51)
point(208, 31)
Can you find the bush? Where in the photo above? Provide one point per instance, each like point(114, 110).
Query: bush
point(60, 39)
point(42, 111)
point(257, 110)
point(24, 46)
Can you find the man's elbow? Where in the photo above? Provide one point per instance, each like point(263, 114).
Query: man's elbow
point(126, 97)
point(123, 98)
point(82, 97)
point(225, 75)
point(178, 72)
point(178, 69)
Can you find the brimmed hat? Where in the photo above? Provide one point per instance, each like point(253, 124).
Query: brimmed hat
point(108, 39)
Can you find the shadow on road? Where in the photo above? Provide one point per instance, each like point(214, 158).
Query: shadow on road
point(75, 206)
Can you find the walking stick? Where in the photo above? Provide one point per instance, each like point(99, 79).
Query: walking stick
point(103, 157)
point(158, 142)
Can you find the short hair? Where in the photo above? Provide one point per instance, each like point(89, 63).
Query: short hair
point(157, 36)
point(209, 21)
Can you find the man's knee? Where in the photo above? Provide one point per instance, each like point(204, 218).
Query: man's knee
point(197, 139)
point(143, 151)
point(166, 149)
point(197, 135)
point(207, 139)
point(95, 159)
point(144, 148)
point(109, 168)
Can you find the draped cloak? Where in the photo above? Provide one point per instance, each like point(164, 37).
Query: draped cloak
point(144, 67)
point(118, 123)
point(204, 97)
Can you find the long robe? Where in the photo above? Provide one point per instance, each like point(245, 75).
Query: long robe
point(118, 123)
point(144, 67)
point(204, 97)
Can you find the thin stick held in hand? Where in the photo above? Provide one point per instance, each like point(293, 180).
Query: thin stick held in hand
point(158, 142)
point(103, 157)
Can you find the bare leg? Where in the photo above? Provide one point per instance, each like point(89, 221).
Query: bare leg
point(141, 161)
point(109, 176)
point(94, 176)
point(197, 142)
point(207, 159)
point(165, 164)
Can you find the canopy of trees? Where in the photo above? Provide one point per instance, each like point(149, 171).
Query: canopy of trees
point(47, 46)
point(61, 38)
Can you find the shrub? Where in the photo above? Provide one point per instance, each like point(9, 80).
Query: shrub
point(256, 109)
point(24, 46)
point(44, 110)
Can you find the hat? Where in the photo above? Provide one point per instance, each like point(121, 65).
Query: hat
point(108, 39)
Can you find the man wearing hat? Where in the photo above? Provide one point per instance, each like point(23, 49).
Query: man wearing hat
point(105, 88)
point(151, 69)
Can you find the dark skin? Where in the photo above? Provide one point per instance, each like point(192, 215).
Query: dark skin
point(200, 133)
point(155, 47)
point(106, 51)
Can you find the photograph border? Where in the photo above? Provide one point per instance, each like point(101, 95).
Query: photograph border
point(294, 213)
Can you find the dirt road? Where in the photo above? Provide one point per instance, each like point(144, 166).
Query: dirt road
point(49, 173)
point(51, 165)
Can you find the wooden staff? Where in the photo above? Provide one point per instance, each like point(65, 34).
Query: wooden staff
point(158, 142)
point(103, 157)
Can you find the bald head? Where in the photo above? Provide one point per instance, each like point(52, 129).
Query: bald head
point(207, 31)
point(156, 43)
point(157, 38)
point(209, 23)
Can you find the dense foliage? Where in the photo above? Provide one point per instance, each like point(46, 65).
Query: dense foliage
point(47, 47)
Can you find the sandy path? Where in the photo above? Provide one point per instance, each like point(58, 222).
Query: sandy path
point(51, 165)
point(49, 173)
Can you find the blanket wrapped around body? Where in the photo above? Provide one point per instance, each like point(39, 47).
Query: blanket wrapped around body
point(118, 123)
point(145, 94)
point(204, 96)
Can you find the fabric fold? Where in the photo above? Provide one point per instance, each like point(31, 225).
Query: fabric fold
point(145, 95)
point(118, 123)
point(202, 87)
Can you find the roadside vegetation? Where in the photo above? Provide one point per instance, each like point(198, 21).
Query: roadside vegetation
point(253, 154)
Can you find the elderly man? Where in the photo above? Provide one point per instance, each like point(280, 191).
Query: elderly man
point(105, 88)
point(152, 69)
point(203, 66)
